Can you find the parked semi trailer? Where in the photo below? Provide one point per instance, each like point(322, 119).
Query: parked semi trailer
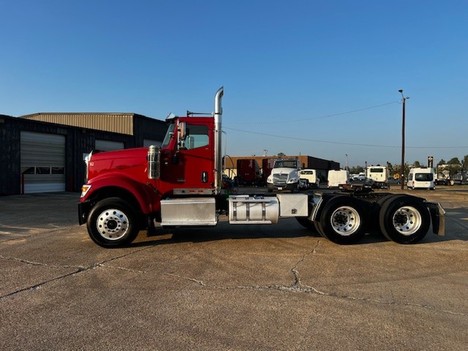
point(180, 184)
point(248, 172)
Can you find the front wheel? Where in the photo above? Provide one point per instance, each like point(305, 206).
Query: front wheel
point(404, 219)
point(111, 223)
point(342, 220)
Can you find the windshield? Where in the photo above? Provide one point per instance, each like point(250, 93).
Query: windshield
point(286, 164)
point(424, 177)
point(169, 134)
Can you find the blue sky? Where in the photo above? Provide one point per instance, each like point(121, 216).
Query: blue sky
point(300, 77)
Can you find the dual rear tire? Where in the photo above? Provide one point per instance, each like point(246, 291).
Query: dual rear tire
point(345, 220)
point(404, 219)
point(342, 220)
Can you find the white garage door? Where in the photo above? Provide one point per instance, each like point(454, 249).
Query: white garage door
point(42, 162)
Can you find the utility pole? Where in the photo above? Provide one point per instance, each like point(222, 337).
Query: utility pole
point(402, 177)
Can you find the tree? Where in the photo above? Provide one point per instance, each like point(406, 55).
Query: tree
point(454, 166)
point(397, 170)
point(356, 169)
point(391, 170)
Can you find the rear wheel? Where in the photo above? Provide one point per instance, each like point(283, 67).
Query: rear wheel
point(342, 220)
point(111, 223)
point(404, 219)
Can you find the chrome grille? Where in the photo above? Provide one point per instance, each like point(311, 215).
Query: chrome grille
point(280, 179)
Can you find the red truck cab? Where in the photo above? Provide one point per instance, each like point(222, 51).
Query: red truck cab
point(133, 182)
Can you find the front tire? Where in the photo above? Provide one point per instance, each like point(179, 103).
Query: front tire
point(112, 223)
point(342, 220)
point(404, 219)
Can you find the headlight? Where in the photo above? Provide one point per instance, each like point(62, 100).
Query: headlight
point(84, 190)
point(87, 159)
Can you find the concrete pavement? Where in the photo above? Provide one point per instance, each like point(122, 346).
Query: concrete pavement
point(228, 287)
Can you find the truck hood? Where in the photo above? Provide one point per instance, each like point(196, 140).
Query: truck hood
point(131, 160)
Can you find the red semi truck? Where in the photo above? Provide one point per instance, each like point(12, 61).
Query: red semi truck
point(180, 184)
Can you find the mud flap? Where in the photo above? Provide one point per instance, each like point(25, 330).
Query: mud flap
point(437, 217)
point(83, 211)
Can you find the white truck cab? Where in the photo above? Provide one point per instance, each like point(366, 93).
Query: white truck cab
point(284, 175)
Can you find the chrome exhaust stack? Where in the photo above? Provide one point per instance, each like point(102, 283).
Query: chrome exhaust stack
point(218, 155)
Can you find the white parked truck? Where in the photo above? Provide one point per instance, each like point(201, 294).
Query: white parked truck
point(284, 175)
point(180, 184)
point(338, 178)
point(309, 177)
point(379, 176)
point(421, 178)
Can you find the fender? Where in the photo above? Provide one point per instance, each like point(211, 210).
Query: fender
point(144, 194)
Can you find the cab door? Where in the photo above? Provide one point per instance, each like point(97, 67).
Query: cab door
point(191, 167)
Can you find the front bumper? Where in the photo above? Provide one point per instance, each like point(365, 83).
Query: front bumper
point(289, 186)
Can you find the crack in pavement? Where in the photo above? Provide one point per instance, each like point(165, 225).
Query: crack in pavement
point(297, 280)
point(200, 282)
point(295, 287)
point(312, 290)
point(78, 270)
point(298, 287)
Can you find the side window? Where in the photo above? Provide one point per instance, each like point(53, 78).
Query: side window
point(197, 136)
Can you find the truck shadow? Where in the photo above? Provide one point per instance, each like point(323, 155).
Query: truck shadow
point(456, 229)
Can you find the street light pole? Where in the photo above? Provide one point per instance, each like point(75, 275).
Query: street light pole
point(402, 177)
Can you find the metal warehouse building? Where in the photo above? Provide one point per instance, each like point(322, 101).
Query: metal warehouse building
point(44, 152)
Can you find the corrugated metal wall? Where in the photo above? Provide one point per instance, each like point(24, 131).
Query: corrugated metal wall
point(111, 122)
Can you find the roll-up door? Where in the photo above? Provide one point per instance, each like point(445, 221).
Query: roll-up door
point(107, 145)
point(42, 162)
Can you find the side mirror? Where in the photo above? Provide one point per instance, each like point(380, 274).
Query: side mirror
point(181, 135)
point(182, 130)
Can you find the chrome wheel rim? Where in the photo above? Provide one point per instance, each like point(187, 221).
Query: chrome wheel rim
point(112, 224)
point(407, 220)
point(345, 220)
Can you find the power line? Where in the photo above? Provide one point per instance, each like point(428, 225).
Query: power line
point(347, 112)
point(338, 142)
point(335, 114)
point(342, 143)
